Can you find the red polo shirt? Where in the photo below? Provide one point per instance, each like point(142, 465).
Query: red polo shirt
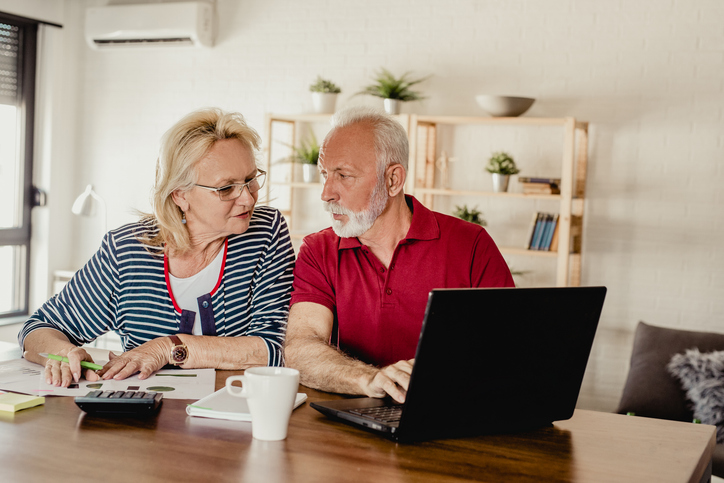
point(379, 312)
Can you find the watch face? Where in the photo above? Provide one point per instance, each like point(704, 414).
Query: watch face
point(179, 354)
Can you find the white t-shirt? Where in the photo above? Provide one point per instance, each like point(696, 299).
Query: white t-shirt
point(186, 291)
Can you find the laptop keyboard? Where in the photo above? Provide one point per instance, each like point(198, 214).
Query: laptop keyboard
point(383, 414)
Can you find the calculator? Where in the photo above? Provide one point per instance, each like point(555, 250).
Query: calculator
point(120, 402)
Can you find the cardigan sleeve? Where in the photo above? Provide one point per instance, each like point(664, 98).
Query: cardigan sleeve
point(84, 309)
point(271, 291)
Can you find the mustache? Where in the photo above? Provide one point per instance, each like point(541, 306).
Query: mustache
point(332, 207)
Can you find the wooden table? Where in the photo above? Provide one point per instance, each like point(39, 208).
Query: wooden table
point(58, 442)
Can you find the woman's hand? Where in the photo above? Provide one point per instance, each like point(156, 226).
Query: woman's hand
point(63, 373)
point(144, 359)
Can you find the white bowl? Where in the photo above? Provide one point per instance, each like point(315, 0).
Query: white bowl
point(504, 106)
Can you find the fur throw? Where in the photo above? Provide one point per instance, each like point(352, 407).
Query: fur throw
point(702, 377)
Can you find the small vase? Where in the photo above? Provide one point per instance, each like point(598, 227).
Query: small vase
point(310, 173)
point(392, 106)
point(324, 102)
point(500, 182)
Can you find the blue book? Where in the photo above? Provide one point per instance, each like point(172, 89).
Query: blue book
point(544, 232)
point(549, 233)
point(537, 235)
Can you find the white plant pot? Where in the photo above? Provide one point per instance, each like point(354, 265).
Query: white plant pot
point(324, 102)
point(392, 106)
point(310, 173)
point(500, 182)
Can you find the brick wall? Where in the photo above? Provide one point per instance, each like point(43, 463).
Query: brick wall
point(648, 76)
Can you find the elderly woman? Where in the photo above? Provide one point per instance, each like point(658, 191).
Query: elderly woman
point(203, 282)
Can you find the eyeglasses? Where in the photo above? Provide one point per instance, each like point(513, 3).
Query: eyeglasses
point(233, 191)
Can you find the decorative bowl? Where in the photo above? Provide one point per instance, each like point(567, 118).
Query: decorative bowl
point(504, 106)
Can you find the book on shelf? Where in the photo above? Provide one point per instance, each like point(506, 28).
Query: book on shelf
point(539, 180)
point(554, 240)
point(540, 189)
point(544, 229)
point(547, 228)
point(536, 231)
point(551, 224)
point(531, 231)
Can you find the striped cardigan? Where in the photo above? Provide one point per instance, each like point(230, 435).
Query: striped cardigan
point(124, 288)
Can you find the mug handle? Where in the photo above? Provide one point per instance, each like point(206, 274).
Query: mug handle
point(230, 389)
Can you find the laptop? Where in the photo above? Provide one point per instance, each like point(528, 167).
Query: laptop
point(488, 361)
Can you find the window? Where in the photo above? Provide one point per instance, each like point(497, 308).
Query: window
point(18, 38)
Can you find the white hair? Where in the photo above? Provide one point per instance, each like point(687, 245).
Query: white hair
point(391, 145)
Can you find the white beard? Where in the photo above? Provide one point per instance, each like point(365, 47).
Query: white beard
point(358, 223)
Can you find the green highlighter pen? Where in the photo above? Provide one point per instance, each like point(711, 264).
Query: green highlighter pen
point(87, 365)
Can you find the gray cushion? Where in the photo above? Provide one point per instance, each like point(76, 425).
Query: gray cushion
point(650, 390)
point(702, 377)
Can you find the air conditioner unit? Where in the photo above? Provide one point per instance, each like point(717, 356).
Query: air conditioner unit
point(150, 25)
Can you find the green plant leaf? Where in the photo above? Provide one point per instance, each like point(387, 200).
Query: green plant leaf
point(387, 86)
point(471, 215)
point(502, 163)
point(308, 150)
point(324, 85)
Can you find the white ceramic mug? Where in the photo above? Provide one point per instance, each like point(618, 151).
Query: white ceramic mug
point(270, 393)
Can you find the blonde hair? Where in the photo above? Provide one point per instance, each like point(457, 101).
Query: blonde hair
point(182, 147)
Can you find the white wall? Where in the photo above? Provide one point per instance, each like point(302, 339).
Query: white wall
point(648, 76)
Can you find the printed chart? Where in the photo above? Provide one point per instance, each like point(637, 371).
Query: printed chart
point(20, 375)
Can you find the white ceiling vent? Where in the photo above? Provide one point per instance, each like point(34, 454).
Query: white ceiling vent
point(150, 25)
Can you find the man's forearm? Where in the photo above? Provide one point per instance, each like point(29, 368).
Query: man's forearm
point(323, 367)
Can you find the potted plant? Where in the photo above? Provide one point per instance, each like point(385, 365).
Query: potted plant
point(324, 95)
point(471, 215)
point(393, 90)
point(501, 165)
point(307, 153)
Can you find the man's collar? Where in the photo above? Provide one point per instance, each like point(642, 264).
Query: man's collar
point(424, 226)
point(349, 243)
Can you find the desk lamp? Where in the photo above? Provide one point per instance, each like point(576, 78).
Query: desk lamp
point(83, 205)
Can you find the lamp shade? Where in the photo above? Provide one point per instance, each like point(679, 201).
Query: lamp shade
point(83, 204)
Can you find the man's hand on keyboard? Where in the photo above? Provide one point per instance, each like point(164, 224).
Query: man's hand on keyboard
point(392, 380)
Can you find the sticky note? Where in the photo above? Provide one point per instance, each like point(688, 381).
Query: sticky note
point(15, 402)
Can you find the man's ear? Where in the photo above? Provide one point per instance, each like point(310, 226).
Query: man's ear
point(179, 197)
point(395, 179)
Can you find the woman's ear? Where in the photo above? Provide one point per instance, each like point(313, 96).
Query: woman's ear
point(179, 197)
point(395, 179)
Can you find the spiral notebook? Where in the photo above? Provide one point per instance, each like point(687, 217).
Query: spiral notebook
point(222, 405)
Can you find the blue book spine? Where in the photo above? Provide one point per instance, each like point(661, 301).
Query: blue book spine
point(549, 233)
point(538, 231)
point(544, 232)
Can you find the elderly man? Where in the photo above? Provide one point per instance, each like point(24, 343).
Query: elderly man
point(362, 285)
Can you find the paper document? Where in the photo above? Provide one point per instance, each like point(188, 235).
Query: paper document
point(222, 405)
point(20, 375)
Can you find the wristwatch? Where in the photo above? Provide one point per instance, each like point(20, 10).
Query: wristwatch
point(179, 352)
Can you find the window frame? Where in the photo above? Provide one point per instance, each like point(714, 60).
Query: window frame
point(21, 236)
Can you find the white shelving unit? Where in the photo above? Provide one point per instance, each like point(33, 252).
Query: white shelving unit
point(574, 136)
point(299, 201)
